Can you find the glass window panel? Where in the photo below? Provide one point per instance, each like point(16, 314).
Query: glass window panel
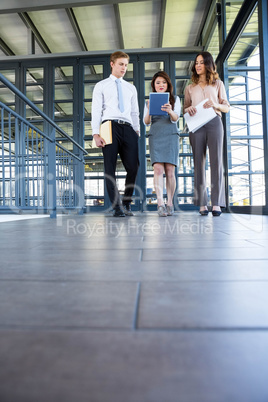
point(88, 145)
point(63, 110)
point(240, 156)
point(185, 200)
point(31, 114)
point(181, 123)
point(149, 165)
point(87, 109)
point(232, 9)
point(66, 126)
point(87, 129)
point(39, 126)
point(258, 185)
point(153, 67)
point(213, 45)
point(150, 191)
point(88, 90)
point(240, 130)
point(66, 144)
point(129, 73)
point(237, 90)
point(254, 85)
point(64, 73)
point(239, 190)
point(94, 167)
point(93, 202)
point(63, 91)
point(238, 114)
point(93, 152)
point(244, 52)
point(185, 146)
point(147, 87)
point(35, 93)
point(182, 68)
point(186, 165)
point(180, 87)
point(246, 121)
point(257, 156)
point(93, 72)
point(9, 74)
point(34, 75)
point(186, 185)
point(94, 187)
point(255, 115)
point(6, 96)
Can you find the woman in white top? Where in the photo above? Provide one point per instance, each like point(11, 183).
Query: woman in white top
point(164, 142)
point(207, 85)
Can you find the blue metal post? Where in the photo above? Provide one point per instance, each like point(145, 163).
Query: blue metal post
point(263, 38)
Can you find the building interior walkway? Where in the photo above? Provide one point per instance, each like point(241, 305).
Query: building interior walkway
point(137, 309)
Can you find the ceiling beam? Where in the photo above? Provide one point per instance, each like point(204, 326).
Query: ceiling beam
point(162, 22)
point(119, 26)
point(5, 48)
point(238, 26)
point(184, 53)
point(19, 6)
point(76, 29)
point(29, 24)
point(78, 33)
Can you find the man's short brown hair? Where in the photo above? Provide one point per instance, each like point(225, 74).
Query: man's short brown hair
point(118, 55)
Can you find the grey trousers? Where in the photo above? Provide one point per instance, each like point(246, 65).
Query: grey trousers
point(211, 136)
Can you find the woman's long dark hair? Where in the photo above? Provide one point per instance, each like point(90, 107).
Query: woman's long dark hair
point(164, 75)
point(211, 69)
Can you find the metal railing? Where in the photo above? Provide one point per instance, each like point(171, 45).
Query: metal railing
point(36, 171)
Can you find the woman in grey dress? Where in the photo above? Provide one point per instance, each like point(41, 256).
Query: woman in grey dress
point(164, 142)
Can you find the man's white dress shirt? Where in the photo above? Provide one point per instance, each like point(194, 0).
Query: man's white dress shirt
point(105, 104)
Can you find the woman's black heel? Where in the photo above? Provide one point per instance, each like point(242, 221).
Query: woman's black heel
point(204, 212)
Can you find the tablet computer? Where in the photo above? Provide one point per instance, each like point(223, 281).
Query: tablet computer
point(158, 99)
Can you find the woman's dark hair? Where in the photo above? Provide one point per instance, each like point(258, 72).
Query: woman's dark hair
point(211, 69)
point(164, 75)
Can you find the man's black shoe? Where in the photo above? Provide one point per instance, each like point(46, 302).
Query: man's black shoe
point(118, 212)
point(127, 210)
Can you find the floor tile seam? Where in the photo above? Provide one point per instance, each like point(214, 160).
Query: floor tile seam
point(196, 329)
point(255, 242)
point(92, 249)
point(136, 307)
point(141, 249)
point(144, 260)
point(41, 328)
point(202, 260)
point(57, 250)
point(60, 280)
point(134, 280)
point(204, 329)
point(212, 247)
point(77, 260)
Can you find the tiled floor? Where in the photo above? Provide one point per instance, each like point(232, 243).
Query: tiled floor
point(140, 309)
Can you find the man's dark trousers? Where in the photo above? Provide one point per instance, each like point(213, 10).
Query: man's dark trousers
point(125, 143)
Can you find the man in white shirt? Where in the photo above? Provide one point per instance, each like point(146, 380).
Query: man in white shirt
point(116, 99)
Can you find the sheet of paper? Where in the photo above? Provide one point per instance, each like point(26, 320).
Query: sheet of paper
point(105, 133)
point(201, 117)
point(158, 99)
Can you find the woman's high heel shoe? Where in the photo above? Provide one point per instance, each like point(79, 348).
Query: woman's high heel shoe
point(204, 212)
point(216, 213)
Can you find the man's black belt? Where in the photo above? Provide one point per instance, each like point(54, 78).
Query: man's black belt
point(119, 122)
